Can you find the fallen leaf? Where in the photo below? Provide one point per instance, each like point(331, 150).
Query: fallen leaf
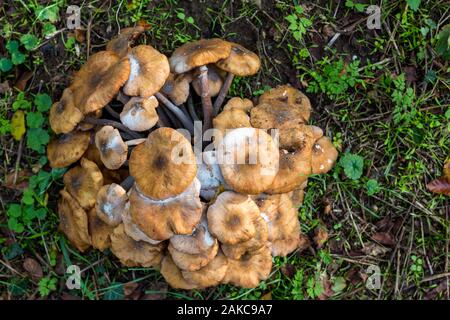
point(267, 296)
point(326, 285)
point(33, 268)
point(328, 207)
point(410, 75)
point(440, 186)
point(4, 87)
point(321, 236)
point(18, 125)
point(21, 83)
point(447, 170)
point(156, 291)
point(374, 249)
point(68, 296)
point(21, 180)
point(384, 238)
point(304, 242)
point(433, 293)
point(288, 270)
point(131, 290)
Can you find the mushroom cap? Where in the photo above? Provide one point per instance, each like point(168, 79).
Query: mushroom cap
point(84, 126)
point(93, 155)
point(290, 96)
point(132, 230)
point(294, 138)
point(198, 53)
point(248, 159)
point(275, 115)
point(148, 73)
point(73, 221)
point(139, 114)
point(176, 87)
point(231, 218)
point(173, 275)
point(83, 182)
point(297, 195)
point(67, 148)
point(135, 253)
point(239, 103)
point(210, 275)
point(283, 247)
point(161, 219)
point(120, 44)
point(164, 165)
point(241, 61)
point(250, 269)
point(193, 262)
point(113, 151)
point(215, 82)
point(323, 156)
point(99, 231)
point(230, 119)
point(209, 175)
point(110, 204)
point(64, 116)
point(99, 80)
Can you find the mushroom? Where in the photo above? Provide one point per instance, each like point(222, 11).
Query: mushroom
point(135, 253)
point(215, 81)
point(139, 114)
point(132, 230)
point(193, 262)
point(113, 151)
point(110, 204)
point(67, 148)
point(230, 119)
point(231, 218)
point(148, 72)
point(120, 44)
point(173, 275)
point(73, 221)
point(248, 160)
point(210, 275)
point(176, 87)
point(64, 116)
point(243, 104)
point(323, 156)
point(209, 175)
point(99, 231)
point(83, 183)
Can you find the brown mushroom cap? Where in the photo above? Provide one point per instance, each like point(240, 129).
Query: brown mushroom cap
point(161, 219)
point(135, 253)
point(120, 44)
point(250, 269)
point(85, 126)
point(139, 114)
point(73, 221)
point(99, 231)
point(132, 230)
point(153, 164)
point(239, 103)
point(110, 204)
point(149, 70)
point(199, 242)
point(67, 149)
point(198, 53)
point(210, 275)
point(231, 218)
point(99, 80)
point(215, 82)
point(230, 119)
point(176, 87)
point(93, 155)
point(248, 159)
point(297, 195)
point(173, 275)
point(113, 151)
point(324, 155)
point(83, 182)
point(241, 61)
point(276, 115)
point(64, 116)
point(193, 262)
point(283, 247)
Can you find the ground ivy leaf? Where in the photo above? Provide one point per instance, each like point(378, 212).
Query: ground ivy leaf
point(5, 65)
point(353, 165)
point(43, 102)
point(414, 4)
point(49, 13)
point(37, 138)
point(17, 58)
point(14, 210)
point(12, 46)
point(372, 187)
point(13, 251)
point(18, 125)
point(28, 196)
point(35, 120)
point(48, 30)
point(29, 41)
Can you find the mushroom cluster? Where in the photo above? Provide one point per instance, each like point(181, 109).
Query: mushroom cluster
point(137, 185)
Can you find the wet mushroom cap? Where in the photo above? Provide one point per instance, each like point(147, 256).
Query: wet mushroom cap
point(99, 231)
point(215, 82)
point(67, 148)
point(176, 87)
point(113, 151)
point(149, 70)
point(64, 116)
point(139, 114)
point(239, 103)
point(198, 53)
point(241, 61)
point(110, 203)
point(172, 274)
point(324, 155)
point(164, 165)
point(193, 262)
point(210, 275)
point(99, 80)
point(120, 44)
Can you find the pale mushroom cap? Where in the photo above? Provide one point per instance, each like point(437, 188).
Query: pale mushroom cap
point(132, 230)
point(172, 274)
point(209, 175)
point(193, 262)
point(110, 204)
point(239, 103)
point(324, 155)
point(241, 61)
point(215, 82)
point(64, 116)
point(176, 87)
point(113, 151)
point(99, 231)
point(139, 114)
point(67, 149)
point(210, 275)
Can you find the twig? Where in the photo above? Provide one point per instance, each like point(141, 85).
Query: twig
point(19, 156)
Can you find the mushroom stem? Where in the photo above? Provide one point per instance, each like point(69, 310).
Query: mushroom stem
point(112, 112)
point(122, 97)
point(186, 113)
point(115, 124)
point(191, 109)
point(135, 142)
point(176, 111)
point(223, 93)
point(163, 120)
point(127, 183)
point(206, 98)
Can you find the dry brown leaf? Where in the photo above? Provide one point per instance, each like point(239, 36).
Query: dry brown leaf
point(33, 268)
point(21, 83)
point(267, 296)
point(327, 291)
point(288, 270)
point(384, 238)
point(21, 180)
point(373, 249)
point(304, 242)
point(440, 186)
point(4, 87)
point(321, 236)
point(130, 289)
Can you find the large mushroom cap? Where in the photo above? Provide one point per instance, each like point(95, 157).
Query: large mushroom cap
point(83, 182)
point(173, 275)
point(164, 165)
point(248, 159)
point(231, 218)
point(67, 148)
point(139, 114)
point(110, 204)
point(193, 262)
point(198, 53)
point(73, 221)
point(176, 87)
point(210, 275)
point(241, 61)
point(324, 155)
point(209, 175)
point(239, 103)
point(113, 151)
point(121, 43)
point(99, 80)
point(215, 82)
point(149, 70)
point(99, 231)
point(134, 253)
point(64, 116)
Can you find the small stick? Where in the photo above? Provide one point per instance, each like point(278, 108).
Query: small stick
point(127, 183)
point(223, 93)
point(176, 111)
point(112, 112)
point(115, 124)
point(191, 109)
point(206, 98)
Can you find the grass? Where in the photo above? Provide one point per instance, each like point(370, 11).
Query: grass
point(382, 95)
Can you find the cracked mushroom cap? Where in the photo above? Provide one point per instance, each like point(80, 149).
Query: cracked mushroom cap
point(73, 221)
point(149, 71)
point(135, 253)
point(64, 116)
point(139, 114)
point(215, 82)
point(250, 269)
point(83, 182)
point(176, 87)
point(231, 218)
point(161, 219)
point(113, 151)
point(239, 103)
point(193, 262)
point(99, 231)
point(286, 94)
point(198, 53)
point(164, 165)
point(172, 274)
point(209, 175)
point(132, 230)
point(248, 159)
point(324, 155)
point(120, 44)
point(241, 61)
point(67, 148)
point(99, 80)
point(210, 275)
point(110, 204)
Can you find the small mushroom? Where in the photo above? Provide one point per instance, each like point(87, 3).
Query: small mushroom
point(67, 148)
point(230, 119)
point(209, 175)
point(64, 116)
point(120, 44)
point(99, 231)
point(323, 156)
point(215, 82)
point(139, 114)
point(193, 262)
point(110, 204)
point(173, 275)
point(176, 87)
point(132, 230)
point(243, 104)
point(113, 151)
point(210, 275)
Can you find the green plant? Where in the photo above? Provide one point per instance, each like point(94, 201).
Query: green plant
point(360, 7)
point(372, 187)
point(298, 23)
point(352, 164)
point(416, 267)
point(47, 285)
point(403, 99)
